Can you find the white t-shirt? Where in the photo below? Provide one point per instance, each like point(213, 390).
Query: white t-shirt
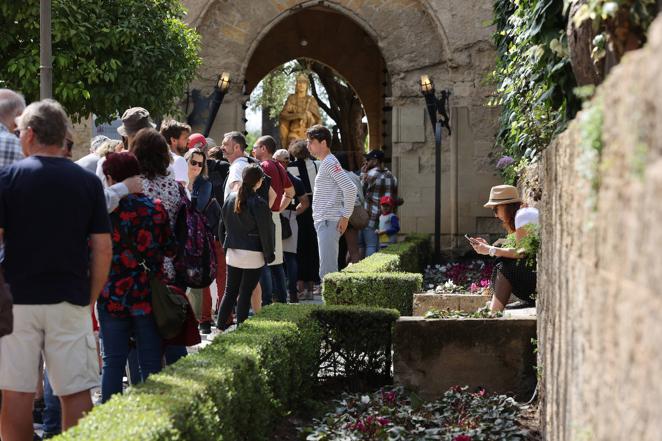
point(178, 168)
point(235, 174)
point(525, 216)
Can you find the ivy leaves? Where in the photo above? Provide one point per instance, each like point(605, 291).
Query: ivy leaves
point(108, 55)
point(533, 77)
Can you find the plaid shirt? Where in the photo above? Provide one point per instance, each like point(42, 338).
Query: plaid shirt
point(376, 184)
point(10, 147)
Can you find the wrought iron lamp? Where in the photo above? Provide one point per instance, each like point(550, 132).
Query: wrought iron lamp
point(220, 89)
point(438, 113)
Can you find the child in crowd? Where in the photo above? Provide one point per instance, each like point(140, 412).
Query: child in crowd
point(389, 224)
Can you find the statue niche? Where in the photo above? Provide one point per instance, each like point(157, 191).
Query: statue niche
point(299, 113)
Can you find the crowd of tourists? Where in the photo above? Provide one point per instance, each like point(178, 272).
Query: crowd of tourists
point(111, 259)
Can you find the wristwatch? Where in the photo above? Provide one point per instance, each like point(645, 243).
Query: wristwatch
point(492, 251)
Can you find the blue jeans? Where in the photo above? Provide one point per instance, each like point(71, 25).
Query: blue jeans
point(52, 416)
point(292, 275)
point(371, 239)
point(116, 332)
point(173, 353)
point(272, 279)
point(327, 241)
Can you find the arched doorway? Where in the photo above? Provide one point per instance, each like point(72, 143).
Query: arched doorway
point(340, 107)
point(334, 39)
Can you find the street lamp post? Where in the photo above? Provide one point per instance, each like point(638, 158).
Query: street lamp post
point(438, 113)
point(45, 51)
point(220, 89)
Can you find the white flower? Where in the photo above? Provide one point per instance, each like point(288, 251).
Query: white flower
point(365, 399)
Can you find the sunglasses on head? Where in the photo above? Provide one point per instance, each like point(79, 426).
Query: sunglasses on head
point(195, 163)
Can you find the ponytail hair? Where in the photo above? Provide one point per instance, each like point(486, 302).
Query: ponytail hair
point(250, 176)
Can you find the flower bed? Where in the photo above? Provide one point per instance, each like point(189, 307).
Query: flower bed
point(467, 277)
point(458, 415)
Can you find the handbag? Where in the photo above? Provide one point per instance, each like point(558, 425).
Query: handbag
point(169, 309)
point(359, 218)
point(286, 228)
point(6, 304)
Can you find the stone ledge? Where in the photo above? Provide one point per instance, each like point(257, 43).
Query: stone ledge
point(423, 302)
point(430, 356)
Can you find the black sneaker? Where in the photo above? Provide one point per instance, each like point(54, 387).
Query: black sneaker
point(521, 304)
point(205, 328)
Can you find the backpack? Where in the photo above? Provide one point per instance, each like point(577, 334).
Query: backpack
point(195, 262)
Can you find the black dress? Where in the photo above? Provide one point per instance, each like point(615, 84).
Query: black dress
point(307, 253)
point(521, 277)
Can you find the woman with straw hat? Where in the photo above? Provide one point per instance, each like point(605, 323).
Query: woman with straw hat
point(511, 274)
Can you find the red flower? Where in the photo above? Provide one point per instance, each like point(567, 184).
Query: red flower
point(144, 240)
point(127, 259)
point(462, 438)
point(122, 285)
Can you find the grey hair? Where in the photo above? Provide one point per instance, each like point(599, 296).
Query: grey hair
point(97, 142)
point(281, 155)
point(10, 103)
point(48, 121)
point(238, 138)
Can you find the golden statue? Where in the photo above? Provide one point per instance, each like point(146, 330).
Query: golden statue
point(299, 113)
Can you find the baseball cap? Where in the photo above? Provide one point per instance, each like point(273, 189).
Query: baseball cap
point(196, 140)
point(374, 154)
point(387, 200)
point(134, 119)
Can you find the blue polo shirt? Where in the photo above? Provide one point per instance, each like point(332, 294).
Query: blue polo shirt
point(49, 206)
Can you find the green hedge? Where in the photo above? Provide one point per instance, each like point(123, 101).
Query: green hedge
point(387, 279)
point(235, 388)
point(384, 290)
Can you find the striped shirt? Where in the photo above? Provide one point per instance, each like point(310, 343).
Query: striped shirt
point(334, 193)
point(10, 147)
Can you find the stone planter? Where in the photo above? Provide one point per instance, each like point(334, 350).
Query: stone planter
point(423, 302)
point(430, 356)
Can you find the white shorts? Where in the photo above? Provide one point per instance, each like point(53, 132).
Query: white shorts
point(63, 334)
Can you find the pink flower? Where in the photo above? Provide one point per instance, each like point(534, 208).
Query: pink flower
point(473, 287)
point(462, 438)
point(484, 283)
point(383, 421)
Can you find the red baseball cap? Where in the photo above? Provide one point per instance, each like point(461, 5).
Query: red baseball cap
point(387, 200)
point(197, 140)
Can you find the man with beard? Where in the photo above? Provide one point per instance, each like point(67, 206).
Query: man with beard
point(176, 134)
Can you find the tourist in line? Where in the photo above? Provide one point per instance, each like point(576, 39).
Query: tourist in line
point(291, 213)
point(378, 181)
point(55, 269)
point(153, 154)
point(305, 167)
point(333, 199)
point(202, 197)
point(90, 160)
point(142, 238)
point(248, 238)
point(176, 135)
point(12, 105)
point(511, 274)
point(389, 224)
point(273, 275)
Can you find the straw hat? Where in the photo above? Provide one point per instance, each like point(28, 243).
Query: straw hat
point(502, 194)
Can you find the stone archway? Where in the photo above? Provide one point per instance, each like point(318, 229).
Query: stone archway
point(446, 39)
point(353, 54)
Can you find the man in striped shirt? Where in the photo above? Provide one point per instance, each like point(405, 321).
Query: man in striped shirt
point(333, 199)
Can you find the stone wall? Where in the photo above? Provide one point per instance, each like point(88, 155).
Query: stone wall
point(600, 271)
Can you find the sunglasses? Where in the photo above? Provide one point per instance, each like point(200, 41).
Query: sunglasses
point(195, 163)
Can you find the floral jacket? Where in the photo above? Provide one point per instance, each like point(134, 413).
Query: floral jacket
point(141, 235)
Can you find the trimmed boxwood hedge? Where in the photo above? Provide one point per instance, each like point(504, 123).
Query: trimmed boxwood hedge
point(384, 290)
point(236, 388)
point(386, 279)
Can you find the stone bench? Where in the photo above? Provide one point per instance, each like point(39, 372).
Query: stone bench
point(466, 302)
point(430, 356)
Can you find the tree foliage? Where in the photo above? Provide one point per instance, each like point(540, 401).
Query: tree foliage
point(108, 55)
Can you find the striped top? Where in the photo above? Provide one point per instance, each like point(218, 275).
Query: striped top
point(334, 193)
